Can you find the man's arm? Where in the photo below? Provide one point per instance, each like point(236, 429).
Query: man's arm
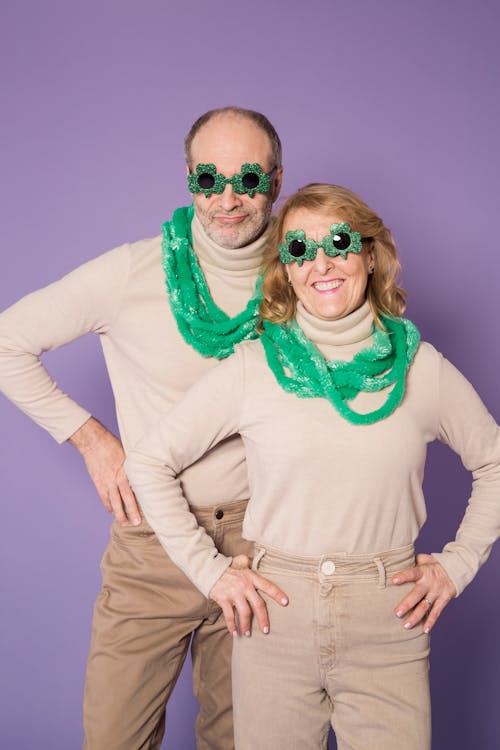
point(86, 300)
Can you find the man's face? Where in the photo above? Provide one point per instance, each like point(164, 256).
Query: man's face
point(228, 141)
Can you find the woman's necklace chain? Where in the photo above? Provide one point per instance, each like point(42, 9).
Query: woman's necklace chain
point(201, 323)
point(300, 368)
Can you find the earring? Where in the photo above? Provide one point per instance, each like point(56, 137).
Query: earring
point(371, 269)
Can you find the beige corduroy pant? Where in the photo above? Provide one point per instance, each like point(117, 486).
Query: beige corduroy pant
point(337, 655)
point(145, 618)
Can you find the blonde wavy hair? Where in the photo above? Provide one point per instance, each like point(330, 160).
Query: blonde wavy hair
point(384, 295)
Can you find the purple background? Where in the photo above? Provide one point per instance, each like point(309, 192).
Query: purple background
point(394, 99)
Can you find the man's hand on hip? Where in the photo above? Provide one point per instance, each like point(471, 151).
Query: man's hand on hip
point(104, 456)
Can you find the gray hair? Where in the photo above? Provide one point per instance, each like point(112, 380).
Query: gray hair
point(249, 114)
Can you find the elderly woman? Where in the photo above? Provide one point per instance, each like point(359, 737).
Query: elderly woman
point(336, 404)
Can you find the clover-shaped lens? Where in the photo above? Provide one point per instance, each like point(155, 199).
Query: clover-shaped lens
point(205, 180)
point(297, 248)
point(250, 180)
point(341, 240)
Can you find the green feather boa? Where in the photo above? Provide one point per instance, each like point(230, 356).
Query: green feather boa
point(383, 364)
point(201, 323)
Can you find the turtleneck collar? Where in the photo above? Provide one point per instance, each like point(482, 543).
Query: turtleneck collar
point(354, 331)
point(241, 260)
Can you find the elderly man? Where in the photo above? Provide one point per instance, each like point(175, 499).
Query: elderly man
point(166, 310)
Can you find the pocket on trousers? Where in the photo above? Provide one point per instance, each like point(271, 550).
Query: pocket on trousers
point(126, 536)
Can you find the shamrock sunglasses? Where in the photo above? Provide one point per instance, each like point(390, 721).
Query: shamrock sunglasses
point(341, 240)
point(252, 179)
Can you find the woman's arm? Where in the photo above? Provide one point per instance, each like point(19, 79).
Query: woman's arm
point(206, 415)
point(468, 428)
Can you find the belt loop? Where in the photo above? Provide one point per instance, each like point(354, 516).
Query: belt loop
point(258, 557)
point(381, 572)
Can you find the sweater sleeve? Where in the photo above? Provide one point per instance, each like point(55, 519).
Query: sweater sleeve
point(207, 413)
point(468, 428)
point(85, 300)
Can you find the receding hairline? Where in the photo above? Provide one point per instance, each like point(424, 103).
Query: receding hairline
point(248, 115)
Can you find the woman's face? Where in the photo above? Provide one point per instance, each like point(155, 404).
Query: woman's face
point(329, 288)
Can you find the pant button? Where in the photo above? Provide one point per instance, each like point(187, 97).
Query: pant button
point(328, 567)
point(219, 514)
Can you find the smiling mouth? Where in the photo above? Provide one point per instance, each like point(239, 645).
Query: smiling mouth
point(327, 286)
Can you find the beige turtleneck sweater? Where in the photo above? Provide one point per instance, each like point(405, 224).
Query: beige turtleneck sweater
point(121, 296)
point(319, 484)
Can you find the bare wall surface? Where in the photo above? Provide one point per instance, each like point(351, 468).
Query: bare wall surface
point(395, 99)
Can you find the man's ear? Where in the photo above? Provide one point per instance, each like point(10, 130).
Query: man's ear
point(277, 182)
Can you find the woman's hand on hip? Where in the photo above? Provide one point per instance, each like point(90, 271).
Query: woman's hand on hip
point(433, 590)
point(237, 590)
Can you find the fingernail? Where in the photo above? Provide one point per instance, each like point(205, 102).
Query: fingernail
point(427, 630)
point(396, 580)
point(284, 600)
point(407, 625)
point(399, 613)
point(234, 633)
point(266, 630)
point(247, 634)
point(136, 521)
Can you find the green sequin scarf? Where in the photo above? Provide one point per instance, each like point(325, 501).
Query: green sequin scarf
point(383, 364)
point(201, 323)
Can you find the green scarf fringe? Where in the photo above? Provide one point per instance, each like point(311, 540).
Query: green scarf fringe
point(383, 364)
point(201, 323)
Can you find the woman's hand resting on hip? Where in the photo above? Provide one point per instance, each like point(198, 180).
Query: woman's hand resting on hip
point(433, 590)
point(237, 591)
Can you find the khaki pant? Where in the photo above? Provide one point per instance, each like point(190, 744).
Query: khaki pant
point(336, 655)
point(144, 617)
